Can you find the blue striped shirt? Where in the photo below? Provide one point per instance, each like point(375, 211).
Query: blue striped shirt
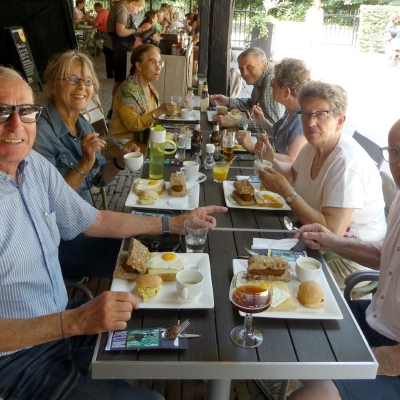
point(34, 214)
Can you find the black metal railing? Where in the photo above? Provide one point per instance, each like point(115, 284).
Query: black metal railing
point(241, 19)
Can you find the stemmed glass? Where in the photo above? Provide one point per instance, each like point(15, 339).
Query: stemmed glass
point(248, 296)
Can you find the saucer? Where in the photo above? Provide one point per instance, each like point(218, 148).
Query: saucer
point(200, 177)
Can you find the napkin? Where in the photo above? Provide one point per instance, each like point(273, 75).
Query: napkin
point(253, 179)
point(281, 244)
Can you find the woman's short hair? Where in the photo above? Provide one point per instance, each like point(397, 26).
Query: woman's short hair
point(292, 73)
point(335, 95)
point(139, 54)
point(59, 67)
point(254, 51)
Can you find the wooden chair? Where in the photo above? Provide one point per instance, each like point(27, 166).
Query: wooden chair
point(373, 150)
point(94, 113)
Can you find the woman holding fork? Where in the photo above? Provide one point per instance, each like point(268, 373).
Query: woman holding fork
point(287, 132)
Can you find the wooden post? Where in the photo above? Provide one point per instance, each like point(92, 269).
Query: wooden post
point(204, 11)
point(219, 49)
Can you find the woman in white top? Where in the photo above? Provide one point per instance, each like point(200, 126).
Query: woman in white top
point(337, 183)
point(79, 14)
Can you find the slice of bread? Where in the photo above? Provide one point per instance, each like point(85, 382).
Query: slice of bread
point(138, 256)
point(140, 185)
point(178, 185)
point(273, 268)
point(245, 190)
point(122, 268)
point(240, 201)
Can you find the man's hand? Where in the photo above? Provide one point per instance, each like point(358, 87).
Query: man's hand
point(107, 312)
point(244, 139)
point(317, 237)
point(219, 99)
point(176, 223)
point(89, 145)
point(226, 121)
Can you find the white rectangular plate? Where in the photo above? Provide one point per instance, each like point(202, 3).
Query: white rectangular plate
point(176, 119)
point(330, 310)
point(211, 114)
point(167, 297)
point(190, 202)
point(231, 203)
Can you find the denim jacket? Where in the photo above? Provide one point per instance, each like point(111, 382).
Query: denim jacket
point(57, 144)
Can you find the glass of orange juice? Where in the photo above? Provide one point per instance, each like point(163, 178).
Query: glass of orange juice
point(220, 171)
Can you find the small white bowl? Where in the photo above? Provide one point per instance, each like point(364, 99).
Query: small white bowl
point(307, 269)
point(258, 164)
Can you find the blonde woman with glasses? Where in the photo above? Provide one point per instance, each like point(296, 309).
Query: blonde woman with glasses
point(336, 182)
point(136, 104)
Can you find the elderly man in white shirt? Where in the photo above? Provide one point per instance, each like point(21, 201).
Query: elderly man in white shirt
point(378, 318)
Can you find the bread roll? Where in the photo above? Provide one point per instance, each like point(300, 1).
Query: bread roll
point(310, 294)
point(148, 286)
point(148, 197)
point(245, 190)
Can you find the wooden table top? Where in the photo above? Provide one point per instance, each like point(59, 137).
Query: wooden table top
point(292, 348)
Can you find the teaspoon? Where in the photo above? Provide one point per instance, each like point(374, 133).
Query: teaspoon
point(289, 224)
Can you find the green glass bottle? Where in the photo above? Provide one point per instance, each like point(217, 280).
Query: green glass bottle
point(157, 149)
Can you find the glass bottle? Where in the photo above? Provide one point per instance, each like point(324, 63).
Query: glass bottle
point(209, 160)
point(190, 97)
point(216, 140)
point(157, 149)
point(196, 138)
point(205, 99)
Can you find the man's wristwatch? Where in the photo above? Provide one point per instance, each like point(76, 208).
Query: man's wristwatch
point(165, 225)
point(291, 197)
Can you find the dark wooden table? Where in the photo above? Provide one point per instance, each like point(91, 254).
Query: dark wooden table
point(292, 348)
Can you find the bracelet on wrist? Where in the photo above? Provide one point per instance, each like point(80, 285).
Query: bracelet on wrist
point(153, 115)
point(116, 164)
point(80, 171)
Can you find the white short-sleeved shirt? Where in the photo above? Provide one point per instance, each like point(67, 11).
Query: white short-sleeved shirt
point(347, 179)
point(382, 314)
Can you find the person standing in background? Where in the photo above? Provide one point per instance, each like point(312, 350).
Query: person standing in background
point(100, 22)
point(121, 27)
point(314, 21)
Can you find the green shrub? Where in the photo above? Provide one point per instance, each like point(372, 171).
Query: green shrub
point(372, 29)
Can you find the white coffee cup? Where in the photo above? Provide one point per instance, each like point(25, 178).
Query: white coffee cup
point(187, 113)
point(189, 283)
point(261, 164)
point(307, 269)
point(134, 160)
point(190, 169)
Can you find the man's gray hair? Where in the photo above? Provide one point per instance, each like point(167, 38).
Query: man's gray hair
point(335, 95)
point(10, 75)
point(254, 51)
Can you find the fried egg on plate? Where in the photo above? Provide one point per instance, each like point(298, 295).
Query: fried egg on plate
point(269, 197)
point(146, 184)
point(166, 261)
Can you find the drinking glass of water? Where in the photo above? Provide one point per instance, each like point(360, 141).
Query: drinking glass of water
point(196, 231)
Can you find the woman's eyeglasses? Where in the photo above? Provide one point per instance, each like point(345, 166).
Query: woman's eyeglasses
point(27, 112)
point(73, 80)
point(390, 154)
point(155, 63)
point(320, 115)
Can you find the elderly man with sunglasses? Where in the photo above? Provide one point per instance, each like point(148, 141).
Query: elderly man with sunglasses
point(378, 318)
point(46, 342)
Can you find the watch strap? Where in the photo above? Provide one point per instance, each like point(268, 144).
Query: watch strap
point(291, 197)
point(165, 225)
point(153, 115)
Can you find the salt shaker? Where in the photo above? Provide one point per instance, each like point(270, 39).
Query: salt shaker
point(209, 160)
